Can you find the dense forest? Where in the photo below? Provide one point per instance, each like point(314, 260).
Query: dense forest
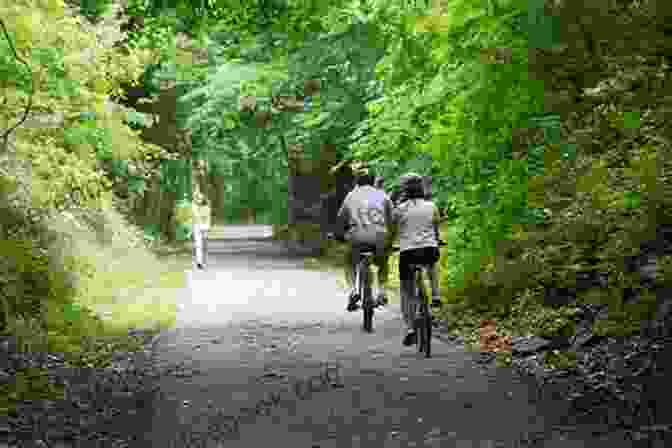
point(545, 126)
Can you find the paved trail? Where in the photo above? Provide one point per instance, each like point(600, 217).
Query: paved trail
point(257, 331)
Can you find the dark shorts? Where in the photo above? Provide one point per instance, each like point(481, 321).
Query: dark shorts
point(421, 255)
point(380, 251)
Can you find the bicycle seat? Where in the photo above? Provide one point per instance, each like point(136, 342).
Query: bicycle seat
point(416, 267)
point(367, 250)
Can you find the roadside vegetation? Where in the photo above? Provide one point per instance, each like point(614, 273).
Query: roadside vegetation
point(75, 275)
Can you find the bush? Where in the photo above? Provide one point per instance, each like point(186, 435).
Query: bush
point(94, 9)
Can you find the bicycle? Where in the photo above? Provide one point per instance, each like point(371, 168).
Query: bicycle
point(363, 286)
point(424, 320)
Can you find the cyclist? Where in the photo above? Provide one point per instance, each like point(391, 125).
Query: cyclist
point(399, 195)
point(367, 214)
point(379, 183)
point(416, 220)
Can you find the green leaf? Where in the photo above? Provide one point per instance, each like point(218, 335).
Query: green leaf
point(8, 185)
point(631, 120)
point(136, 184)
point(568, 151)
point(543, 29)
point(72, 312)
point(632, 200)
point(137, 119)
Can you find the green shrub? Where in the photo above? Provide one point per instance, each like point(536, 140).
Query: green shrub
point(28, 384)
point(627, 319)
point(556, 359)
point(94, 9)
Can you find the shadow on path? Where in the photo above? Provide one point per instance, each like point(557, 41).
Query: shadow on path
point(255, 324)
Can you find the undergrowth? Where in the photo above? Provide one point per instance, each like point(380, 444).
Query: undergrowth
point(119, 286)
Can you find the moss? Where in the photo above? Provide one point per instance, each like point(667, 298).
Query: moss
point(664, 277)
point(556, 359)
point(504, 359)
point(627, 319)
point(28, 384)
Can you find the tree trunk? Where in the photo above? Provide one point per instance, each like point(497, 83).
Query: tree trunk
point(154, 206)
point(217, 189)
point(294, 157)
point(291, 202)
point(166, 213)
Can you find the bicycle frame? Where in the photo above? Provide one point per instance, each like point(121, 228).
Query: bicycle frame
point(419, 290)
point(364, 263)
point(423, 314)
point(363, 286)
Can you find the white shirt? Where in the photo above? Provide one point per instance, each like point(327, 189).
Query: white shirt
point(368, 211)
point(415, 218)
point(201, 216)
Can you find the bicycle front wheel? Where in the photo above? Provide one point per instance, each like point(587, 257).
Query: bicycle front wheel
point(424, 331)
point(367, 299)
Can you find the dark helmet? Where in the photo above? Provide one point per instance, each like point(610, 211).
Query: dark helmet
point(363, 173)
point(412, 186)
point(379, 182)
point(409, 179)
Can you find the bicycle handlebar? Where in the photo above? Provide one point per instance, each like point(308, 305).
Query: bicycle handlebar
point(332, 236)
point(397, 248)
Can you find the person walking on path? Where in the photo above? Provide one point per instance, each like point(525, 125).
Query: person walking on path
point(201, 225)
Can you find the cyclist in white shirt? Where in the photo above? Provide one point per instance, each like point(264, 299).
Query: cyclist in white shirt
point(416, 220)
point(367, 213)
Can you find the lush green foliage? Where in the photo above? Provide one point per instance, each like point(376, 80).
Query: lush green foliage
point(94, 9)
point(441, 99)
point(459, 90)
point(263, 60)
point(66, 158)
point(542, 163)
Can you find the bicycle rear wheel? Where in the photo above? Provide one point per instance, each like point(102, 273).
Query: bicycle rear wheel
point(424, 323)
point(427, 330)
point(367, 298)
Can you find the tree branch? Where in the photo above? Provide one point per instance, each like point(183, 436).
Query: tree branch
point(5, 136)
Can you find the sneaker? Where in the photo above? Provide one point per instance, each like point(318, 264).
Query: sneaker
point(352, 301)
point(410, 338)
point(382, 299)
